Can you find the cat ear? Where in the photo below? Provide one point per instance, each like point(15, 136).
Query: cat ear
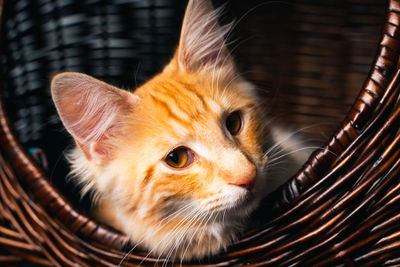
point(202, 41)
point(90, 110)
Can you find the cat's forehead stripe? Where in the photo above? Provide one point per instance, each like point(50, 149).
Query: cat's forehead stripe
point(180, 90)
point(199, 96)
point(182, 101)
point(167, 107)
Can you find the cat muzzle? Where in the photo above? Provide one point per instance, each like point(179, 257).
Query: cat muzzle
point(245, 181)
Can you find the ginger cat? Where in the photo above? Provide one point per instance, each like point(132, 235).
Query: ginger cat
point(180, 163)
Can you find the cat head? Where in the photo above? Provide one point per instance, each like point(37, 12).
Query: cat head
point(186, 145)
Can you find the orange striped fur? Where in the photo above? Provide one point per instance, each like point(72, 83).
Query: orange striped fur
point(123, 140)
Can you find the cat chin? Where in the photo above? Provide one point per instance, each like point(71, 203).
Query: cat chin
point(196, 234)
point(201, 235)
point(186, 242)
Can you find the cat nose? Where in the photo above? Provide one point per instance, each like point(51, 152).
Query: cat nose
point(246, 181)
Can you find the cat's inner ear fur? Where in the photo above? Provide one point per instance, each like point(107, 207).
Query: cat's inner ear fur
point(91, 110)
point(202, 40)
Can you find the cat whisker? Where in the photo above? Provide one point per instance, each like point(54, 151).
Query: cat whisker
point(169, 217)
point(171, 233)
point(278, 150)
point(285, 139)
point(204, 228)
point(194, 233)
point(177, 241)
point(276, 163)
point(202, 232)
point(181, 235)
point(176, 213)
point(223, 217)
point(295, 151)
point(266, 124)
point(215, 217)
point(289, 136)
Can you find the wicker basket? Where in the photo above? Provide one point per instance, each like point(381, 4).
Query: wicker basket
point(341, 208)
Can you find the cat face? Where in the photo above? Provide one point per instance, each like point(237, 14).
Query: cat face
point(194, 143)
point(178, 164)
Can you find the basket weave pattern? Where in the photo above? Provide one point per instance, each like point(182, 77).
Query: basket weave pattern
point(342, 207)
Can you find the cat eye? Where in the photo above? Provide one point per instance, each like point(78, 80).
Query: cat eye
point(234, 122)
point(179, 158)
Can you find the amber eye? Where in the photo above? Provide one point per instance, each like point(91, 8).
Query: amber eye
point(180, 157)
point(234, 122)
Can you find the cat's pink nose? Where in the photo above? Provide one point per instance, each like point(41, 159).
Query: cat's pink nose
point(246, 181)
